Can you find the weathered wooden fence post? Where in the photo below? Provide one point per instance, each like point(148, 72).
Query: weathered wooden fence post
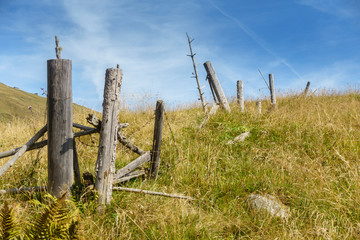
point(105, 164)
point(272, 90)
point(156, 149)
point(306, 89)
point(258, 107)
point(240, 94)
point(214, 82)
point(60, 133)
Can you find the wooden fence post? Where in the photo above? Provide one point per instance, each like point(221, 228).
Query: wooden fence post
point(60, 133)
point(156, 149)
point(258, 106)
point(272, 90)
point(240, 94)
point(306, 88)
point(214, 82)
point(105, 164)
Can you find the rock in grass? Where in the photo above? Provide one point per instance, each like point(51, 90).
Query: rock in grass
point(268, 204)
point(239, 138)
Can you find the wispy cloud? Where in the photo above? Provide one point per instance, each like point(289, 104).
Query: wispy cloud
point(256, 38)
point(340, 8)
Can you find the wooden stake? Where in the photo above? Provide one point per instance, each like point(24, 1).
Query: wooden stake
point(20, 151)
point(258, 106)
point(129, 176)
point(77, 175)
point(196, 73)
point(306, 89)
point(240, 95)
point(105, 164)
point(156, 149)
point(60, 133)
point(214, 81)
point(272, 90)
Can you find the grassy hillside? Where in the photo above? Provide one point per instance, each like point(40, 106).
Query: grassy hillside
point(305, 153)
point(15, 103)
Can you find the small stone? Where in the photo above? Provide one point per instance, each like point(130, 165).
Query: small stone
point(269, 204)
point(239, 138)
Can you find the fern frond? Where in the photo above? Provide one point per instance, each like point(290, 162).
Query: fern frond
point(44, 226)
point(9, 227)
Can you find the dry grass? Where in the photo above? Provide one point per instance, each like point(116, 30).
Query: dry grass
point(306, 153)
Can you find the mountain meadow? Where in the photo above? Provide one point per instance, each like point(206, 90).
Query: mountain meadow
point(305, 153)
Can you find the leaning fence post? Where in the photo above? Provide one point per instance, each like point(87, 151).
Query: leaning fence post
point(156, 149)
point(272, 90)
point(105, 164)
point(306, 89)
point(60, 133)
point(240, 94)
point(214, 82)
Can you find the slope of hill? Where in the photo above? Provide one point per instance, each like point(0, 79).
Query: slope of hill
point(305, 153)
point(19, 104)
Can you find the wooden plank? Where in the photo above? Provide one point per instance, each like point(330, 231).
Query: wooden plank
point(214, 82)
point(23, 190)
point(134, 190)
point(20, 151)
point(105, 164)
point(60, 132)
point(129, 176)
point(272, 90)
point(240, 94)
point(133, 165)
point(156, 149)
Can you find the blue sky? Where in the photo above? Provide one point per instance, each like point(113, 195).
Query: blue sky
point(296, 40)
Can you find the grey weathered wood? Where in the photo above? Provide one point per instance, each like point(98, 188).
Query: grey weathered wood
point(23, 190)
point(196, 73)
point(82, 127)
point(156, 148)
point(77, 175)
point(240, 94)
point(129, 176)
point(44, 143)
point(57, 48)
point(152, 193)
point(212, 112)
point(272, 90)
point(105, 164)
point(214, 81)
point(60, 132)
point(93, 120)
point(133, 165)
point(258, 107)
point(20, 151)
point(306, 88)
point(122, 139)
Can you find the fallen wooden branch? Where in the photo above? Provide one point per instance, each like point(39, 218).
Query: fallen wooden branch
point(239, 138)
point(212, 111)
point(93, 120)
point(22, 150)
point(152, 193)
point(23, 190)
point(133, 165)
point(129, 176)
point(122, 139)
point(44, 143)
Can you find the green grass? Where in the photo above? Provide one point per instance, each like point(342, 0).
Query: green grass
point(305, 153)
